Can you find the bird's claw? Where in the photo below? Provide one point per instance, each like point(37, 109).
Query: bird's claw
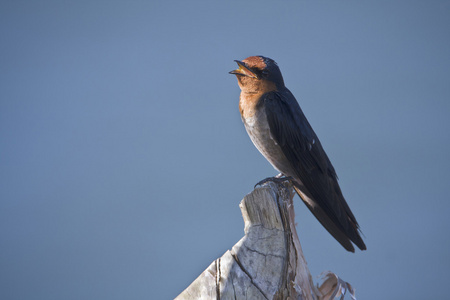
point(275, 179)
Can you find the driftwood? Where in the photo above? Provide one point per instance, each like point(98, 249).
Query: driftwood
point(268, 262)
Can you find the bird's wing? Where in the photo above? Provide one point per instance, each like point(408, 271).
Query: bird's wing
point(319, 188)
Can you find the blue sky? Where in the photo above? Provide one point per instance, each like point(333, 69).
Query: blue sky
point(124, 157)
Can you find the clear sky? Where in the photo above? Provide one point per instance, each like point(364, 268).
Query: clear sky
point(123, 156)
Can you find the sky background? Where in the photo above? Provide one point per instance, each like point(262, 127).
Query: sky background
point(124, 159)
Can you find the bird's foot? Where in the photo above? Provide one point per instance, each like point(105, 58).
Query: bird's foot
point(277, 179)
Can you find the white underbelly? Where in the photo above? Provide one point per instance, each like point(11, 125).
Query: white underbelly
point(258, 129)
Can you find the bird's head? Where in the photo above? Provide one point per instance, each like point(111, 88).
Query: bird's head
point(256, 73)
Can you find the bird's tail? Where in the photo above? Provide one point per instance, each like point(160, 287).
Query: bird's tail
point(341, 227)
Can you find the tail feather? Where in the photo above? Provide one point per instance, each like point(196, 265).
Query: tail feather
point(344, 237)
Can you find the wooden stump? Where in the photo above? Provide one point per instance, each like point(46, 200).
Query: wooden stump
point(268, 262)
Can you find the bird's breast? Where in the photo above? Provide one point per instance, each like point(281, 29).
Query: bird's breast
point(258, 129)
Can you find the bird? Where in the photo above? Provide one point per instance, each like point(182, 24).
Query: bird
point(280, 131)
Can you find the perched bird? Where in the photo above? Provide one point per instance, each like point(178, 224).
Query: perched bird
point(279, 129)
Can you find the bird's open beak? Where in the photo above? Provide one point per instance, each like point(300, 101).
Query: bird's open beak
point(243, 70)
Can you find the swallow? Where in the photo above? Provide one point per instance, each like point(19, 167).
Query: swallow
point(280, 131)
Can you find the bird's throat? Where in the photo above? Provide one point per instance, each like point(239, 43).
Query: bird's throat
point(248, 103)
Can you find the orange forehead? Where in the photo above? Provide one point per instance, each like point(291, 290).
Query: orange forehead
point(255, 62)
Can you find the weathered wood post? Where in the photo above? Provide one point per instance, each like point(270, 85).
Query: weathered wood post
point(268, 262)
